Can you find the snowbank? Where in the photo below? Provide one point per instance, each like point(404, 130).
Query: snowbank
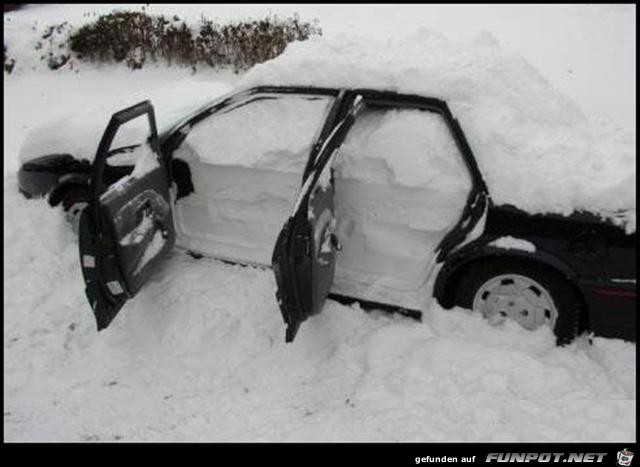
point(79, 133)
point(200, 355)
point(535, 147)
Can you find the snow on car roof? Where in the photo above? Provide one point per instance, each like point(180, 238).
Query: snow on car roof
point(535, 147)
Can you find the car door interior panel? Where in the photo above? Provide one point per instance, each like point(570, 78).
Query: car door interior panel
point(128, 227)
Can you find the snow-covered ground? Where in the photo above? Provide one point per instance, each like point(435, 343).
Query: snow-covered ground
point(200, 353)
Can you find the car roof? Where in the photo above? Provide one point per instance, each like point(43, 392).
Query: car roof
point(388, 95)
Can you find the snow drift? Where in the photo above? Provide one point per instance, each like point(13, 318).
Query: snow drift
point(534, 146)
point(200, 356)
point(79, 134)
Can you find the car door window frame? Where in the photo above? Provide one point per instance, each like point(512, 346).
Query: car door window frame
point(102, 154)
point(478, 199)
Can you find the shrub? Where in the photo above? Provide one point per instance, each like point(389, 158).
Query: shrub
point(9, 62)
point(135, 37)
point(12, 6)
point(245, 44)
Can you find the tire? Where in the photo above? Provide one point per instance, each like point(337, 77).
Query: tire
point(73, 203)
point(540, 288)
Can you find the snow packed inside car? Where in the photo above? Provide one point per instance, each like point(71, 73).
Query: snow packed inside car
point(352, 194)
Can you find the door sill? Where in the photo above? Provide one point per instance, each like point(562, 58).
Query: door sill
point(366, 305)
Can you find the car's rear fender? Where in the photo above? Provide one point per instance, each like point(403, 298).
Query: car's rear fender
point(456, 264)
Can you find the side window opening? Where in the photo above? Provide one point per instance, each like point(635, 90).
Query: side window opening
point(240, 170)
point(129, 148)
point(266, 131)
point(403, 146)
point(400, 186)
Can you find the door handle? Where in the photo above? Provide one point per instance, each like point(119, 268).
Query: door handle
point(146, 210)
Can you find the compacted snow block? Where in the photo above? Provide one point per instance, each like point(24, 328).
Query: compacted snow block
point(400, 187)
point(246, 166)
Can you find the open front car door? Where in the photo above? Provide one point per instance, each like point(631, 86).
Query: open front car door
point(128, 226)
point(304, 255)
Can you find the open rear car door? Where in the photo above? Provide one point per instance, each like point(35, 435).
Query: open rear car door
point(304, 255)
point(128, 226)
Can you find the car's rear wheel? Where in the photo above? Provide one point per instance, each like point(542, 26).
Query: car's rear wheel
point(528, 293)
point(73, 203)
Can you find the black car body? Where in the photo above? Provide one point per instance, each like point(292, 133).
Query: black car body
point(594, 258)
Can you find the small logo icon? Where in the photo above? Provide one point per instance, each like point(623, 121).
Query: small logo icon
point(624, 457)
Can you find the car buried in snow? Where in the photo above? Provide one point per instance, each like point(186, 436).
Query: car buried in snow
point(291, 178)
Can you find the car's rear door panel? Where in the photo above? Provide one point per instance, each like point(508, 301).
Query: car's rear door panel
point(304, 254)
